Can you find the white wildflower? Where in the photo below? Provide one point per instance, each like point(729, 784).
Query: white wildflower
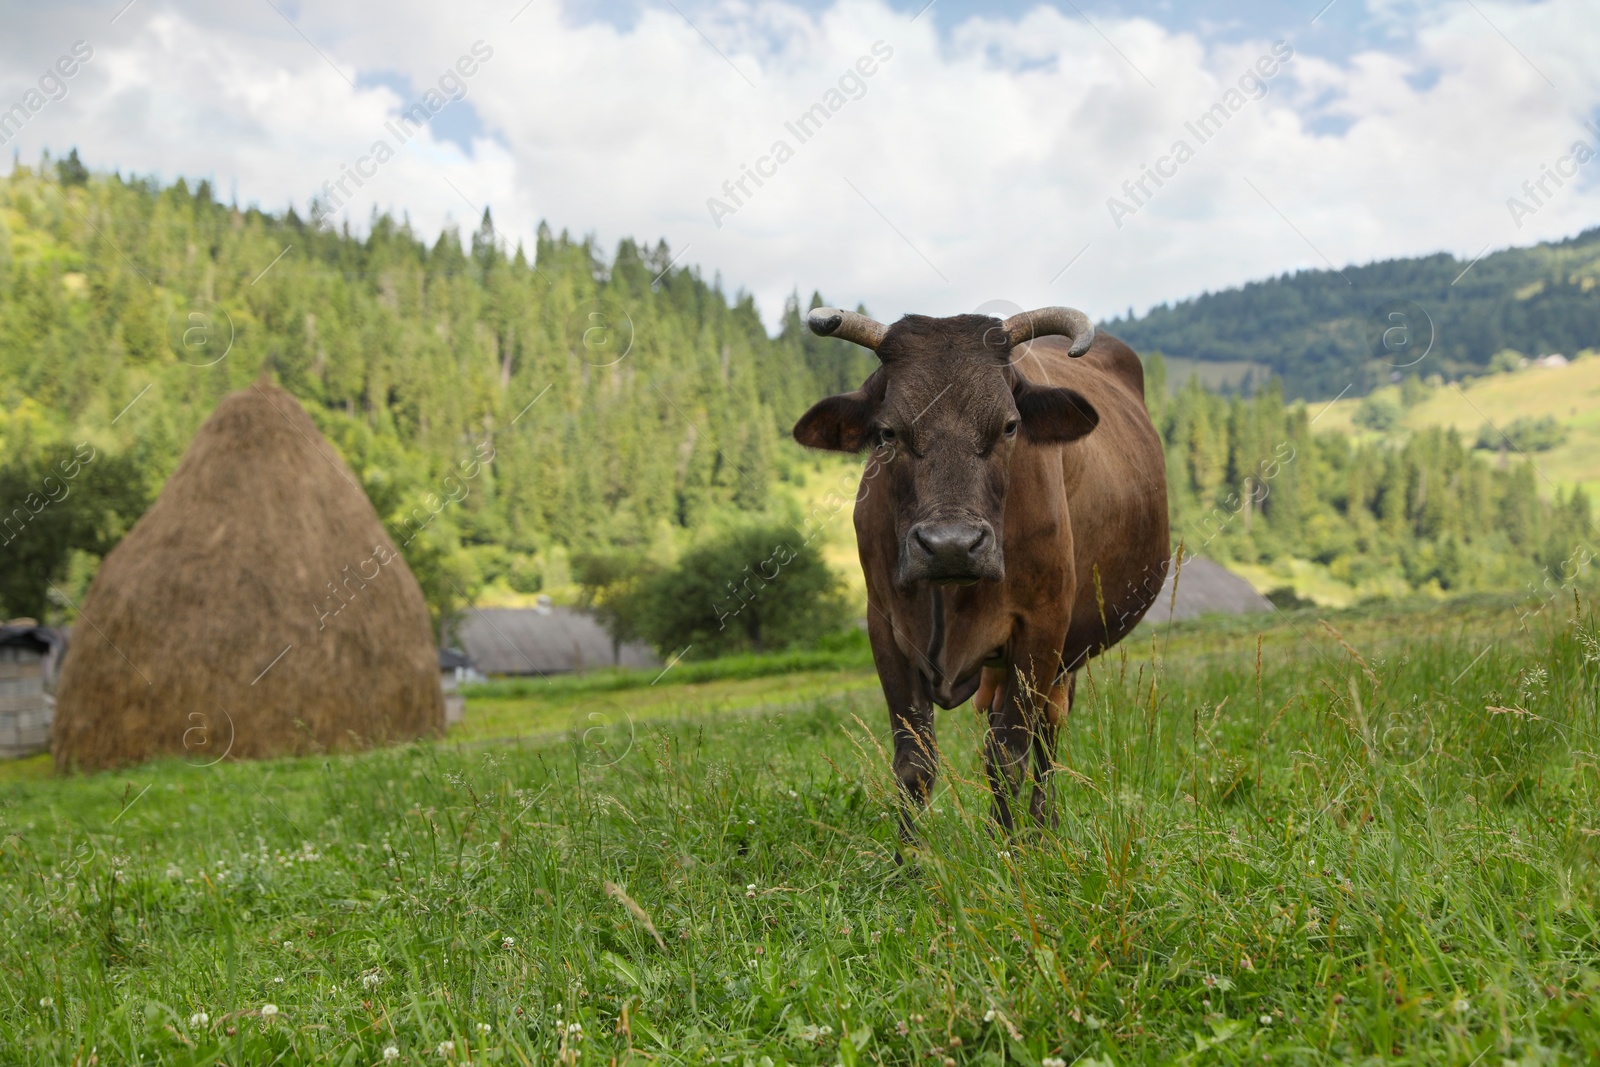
point(988, 1016)
point(268, 1010)
point(390, 1052)
point(484, 1028)
point(507, 942)
point(371, 981)
point(447, 1048)
point(1266, 1020)
point(199, 1018)
point(1462, 1006)
point(46, 1002)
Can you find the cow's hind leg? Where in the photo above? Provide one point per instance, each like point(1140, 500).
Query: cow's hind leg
point(1042, 805)
point(1018, 721)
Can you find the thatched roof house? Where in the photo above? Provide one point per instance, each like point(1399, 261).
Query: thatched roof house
point(1205, 588)
point(544, 640)
point(258, 608)
point(29, 656)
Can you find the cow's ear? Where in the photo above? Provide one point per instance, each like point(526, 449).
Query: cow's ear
point(840, 423)
point(1051, 414)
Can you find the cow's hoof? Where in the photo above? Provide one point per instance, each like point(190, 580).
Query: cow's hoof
point(908, 854)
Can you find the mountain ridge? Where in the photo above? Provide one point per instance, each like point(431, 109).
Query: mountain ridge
point(1325, 332)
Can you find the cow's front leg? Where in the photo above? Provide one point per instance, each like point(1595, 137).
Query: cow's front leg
point(916, 760)
point(916, 753)
point(1018, 721)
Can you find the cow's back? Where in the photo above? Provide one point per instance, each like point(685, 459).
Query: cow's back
point(1116, 491)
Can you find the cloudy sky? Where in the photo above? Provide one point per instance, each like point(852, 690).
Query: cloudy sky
point(975, 163)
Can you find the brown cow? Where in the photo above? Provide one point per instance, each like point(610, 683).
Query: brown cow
point(1013, 524)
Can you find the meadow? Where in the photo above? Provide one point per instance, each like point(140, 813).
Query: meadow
point(1360, 836)
point(1566, 394)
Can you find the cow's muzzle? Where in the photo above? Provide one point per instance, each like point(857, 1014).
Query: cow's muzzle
point(951, 553)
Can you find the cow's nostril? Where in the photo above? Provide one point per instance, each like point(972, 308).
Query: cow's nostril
point(950, 543)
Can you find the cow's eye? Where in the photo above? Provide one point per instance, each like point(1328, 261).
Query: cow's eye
point(1011, 428)
point(885, 434)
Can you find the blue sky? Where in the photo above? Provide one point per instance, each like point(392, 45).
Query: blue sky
point(1341, 29)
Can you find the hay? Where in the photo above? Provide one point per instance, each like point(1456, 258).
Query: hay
point(259, 608)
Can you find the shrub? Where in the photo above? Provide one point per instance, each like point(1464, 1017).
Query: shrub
point(753, 590)
point(1380, 411)
point(1524, 434)
point(611, 583)
point(1285, 598)
point(48, 514)
point(1506, 360)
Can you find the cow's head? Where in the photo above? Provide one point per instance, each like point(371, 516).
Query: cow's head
point(943, 413)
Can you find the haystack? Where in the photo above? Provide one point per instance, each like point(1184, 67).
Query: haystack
point(259, 608)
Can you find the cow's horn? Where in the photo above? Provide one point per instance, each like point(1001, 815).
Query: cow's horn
point(848, 326)
point(1068, 322)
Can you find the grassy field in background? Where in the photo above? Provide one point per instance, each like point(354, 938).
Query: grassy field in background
point(1368, 841)
point(538, 716)
point(1570, 395)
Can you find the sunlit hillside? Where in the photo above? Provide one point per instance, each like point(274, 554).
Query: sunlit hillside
point(1570, 395)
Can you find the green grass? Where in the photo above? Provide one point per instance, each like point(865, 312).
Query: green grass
point(1380, 845)
point(851, 652)
point(540, 717)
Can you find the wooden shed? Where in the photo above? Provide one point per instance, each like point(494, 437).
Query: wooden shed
point(29, 658)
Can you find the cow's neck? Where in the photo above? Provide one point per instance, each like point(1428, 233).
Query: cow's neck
point(935, 648)
point(954, 635)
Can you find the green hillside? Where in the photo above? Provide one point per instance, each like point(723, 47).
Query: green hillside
point(1566, 398)
point(1322, 331)
point(619, 406)
point(624, 402)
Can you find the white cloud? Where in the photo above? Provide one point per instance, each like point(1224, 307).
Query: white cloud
point(991, 148)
